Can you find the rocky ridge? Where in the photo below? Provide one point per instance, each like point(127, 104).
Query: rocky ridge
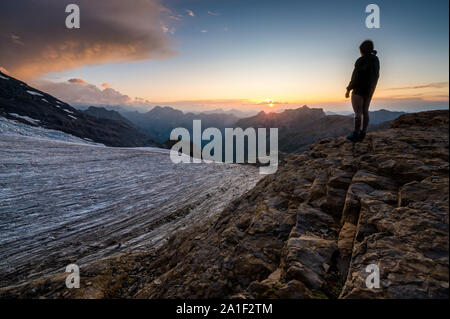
point(307, 231)
point(25, 104)
point(301, 127)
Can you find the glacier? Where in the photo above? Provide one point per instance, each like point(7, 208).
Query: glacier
point(67, 200)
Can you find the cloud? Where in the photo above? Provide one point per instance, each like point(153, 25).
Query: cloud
point(177, 17)
point(190, 12)
point(80, 92)
point(3, 70)
point(78, 81)
point(241, 104)
point(434, 85)
point(268, 101)
point(167, 29)
point(415, 97)
point(212, 13)
point(36, 41)
point(204, 31)
point(16, 39)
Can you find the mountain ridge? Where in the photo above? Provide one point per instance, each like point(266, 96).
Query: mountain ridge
point(25, 104)
point(103, 113)
point(298, 128)
point(159, 121)
point(301, 127)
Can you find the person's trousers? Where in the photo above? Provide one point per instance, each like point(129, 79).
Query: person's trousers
point(361, 108)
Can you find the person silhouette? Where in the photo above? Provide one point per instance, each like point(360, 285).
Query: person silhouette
point(363, 83)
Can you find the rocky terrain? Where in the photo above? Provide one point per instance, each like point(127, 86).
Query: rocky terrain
point(307, 231)
point(20, 102)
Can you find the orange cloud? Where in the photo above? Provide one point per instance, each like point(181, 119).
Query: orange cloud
point(80, 92)
point(3, 70)
point(111, 31)
point(434, 85)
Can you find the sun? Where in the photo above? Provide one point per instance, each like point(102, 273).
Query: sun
point(270, 103)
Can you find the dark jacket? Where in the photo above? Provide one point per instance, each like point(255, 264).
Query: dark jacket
point(365, 75)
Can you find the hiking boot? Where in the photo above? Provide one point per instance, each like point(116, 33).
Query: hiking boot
point(354, 137)
point(361, 136)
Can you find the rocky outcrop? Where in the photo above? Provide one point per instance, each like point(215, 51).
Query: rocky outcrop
point(311, 229)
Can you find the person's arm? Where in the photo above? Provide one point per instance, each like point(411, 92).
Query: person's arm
point(375, 76)
point(355, 77)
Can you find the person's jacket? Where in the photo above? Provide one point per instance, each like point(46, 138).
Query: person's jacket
point(365, 75)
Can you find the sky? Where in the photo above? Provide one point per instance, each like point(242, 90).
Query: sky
point(208, 54)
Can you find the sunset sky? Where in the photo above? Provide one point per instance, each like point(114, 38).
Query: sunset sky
point(206, 54)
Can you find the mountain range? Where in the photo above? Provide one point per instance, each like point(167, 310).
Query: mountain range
point(103, 113)
point(297, 128)
point(25, 104)
point(160, 121)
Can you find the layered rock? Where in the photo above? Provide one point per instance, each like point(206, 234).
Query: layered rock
point(312, 229)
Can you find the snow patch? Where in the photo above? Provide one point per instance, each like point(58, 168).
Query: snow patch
point(26, 118)
point(11, 127)
point(72, 117)
point(4, 78)
point(68, 111)
point(34, 93)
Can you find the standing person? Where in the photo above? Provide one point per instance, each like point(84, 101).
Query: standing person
point(363, 83)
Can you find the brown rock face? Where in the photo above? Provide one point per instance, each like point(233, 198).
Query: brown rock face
point(323, 218)
point(312, 229)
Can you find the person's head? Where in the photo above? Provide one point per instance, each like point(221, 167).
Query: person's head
point(367, 48)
